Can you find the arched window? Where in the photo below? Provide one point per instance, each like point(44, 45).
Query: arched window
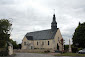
point(48, 42)
point(37, 43)
point(57, 46)
point(42, 43)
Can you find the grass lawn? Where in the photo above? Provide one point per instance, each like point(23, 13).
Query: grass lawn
point(70, 54)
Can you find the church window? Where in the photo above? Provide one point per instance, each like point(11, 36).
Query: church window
point(37, 43)
point(42, 43)
point(31, 47)
point(24, 43)
point(48, 42)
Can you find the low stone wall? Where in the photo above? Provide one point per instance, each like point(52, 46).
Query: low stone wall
point(30, 51)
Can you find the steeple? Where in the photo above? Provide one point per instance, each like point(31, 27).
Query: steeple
point(79, 23)
point(54, 23)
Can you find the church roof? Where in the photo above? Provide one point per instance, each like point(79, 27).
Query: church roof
point(41, 35)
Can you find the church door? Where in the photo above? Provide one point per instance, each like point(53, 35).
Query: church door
point(57, 47)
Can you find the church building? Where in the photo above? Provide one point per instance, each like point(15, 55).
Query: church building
point(44, 39)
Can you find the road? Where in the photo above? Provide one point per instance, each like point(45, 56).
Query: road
point(37, 55)
point(32, 55)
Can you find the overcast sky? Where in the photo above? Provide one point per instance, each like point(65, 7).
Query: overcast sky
point(35, 15)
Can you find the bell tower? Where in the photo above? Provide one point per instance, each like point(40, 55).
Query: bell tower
point(54, 23)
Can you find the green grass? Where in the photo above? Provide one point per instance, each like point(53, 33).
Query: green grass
point(70, 54)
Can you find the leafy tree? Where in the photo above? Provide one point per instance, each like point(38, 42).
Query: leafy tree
point(2, 43)
point(14, 43)
point(19, 46)
point(66, 47)
point(5, 27)
point(79, 36)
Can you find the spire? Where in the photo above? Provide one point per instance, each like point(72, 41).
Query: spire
point(54, 23)
point(79, 23)
point(54, 18)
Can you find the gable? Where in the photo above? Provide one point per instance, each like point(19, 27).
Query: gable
point(58, 36)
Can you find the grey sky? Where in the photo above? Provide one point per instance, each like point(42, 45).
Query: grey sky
point(34, 15)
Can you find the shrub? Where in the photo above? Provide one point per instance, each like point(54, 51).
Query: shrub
point(74, 49)
point(79, 49)
point(47, 51)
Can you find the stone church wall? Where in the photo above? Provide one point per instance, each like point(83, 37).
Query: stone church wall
point(43, 44)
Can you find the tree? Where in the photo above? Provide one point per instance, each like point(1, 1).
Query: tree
point(66, 47)
point(79, 36)
point(5, 27)
point(19, 46)
point(15, 45)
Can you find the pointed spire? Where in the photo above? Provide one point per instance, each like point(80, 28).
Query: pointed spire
point(79, 23)
point(54, 18)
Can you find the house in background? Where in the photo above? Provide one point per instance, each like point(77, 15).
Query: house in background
point(44, 39)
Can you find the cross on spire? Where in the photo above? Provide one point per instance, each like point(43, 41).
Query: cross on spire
point(53, 11)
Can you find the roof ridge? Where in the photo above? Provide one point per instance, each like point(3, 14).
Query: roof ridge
point(39, 31)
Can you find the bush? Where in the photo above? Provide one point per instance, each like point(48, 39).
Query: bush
point(47, 51)
point(74, 49)
point(80, 49)
point(66, 47)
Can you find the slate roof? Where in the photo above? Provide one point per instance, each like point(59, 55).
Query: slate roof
point(41, 35)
